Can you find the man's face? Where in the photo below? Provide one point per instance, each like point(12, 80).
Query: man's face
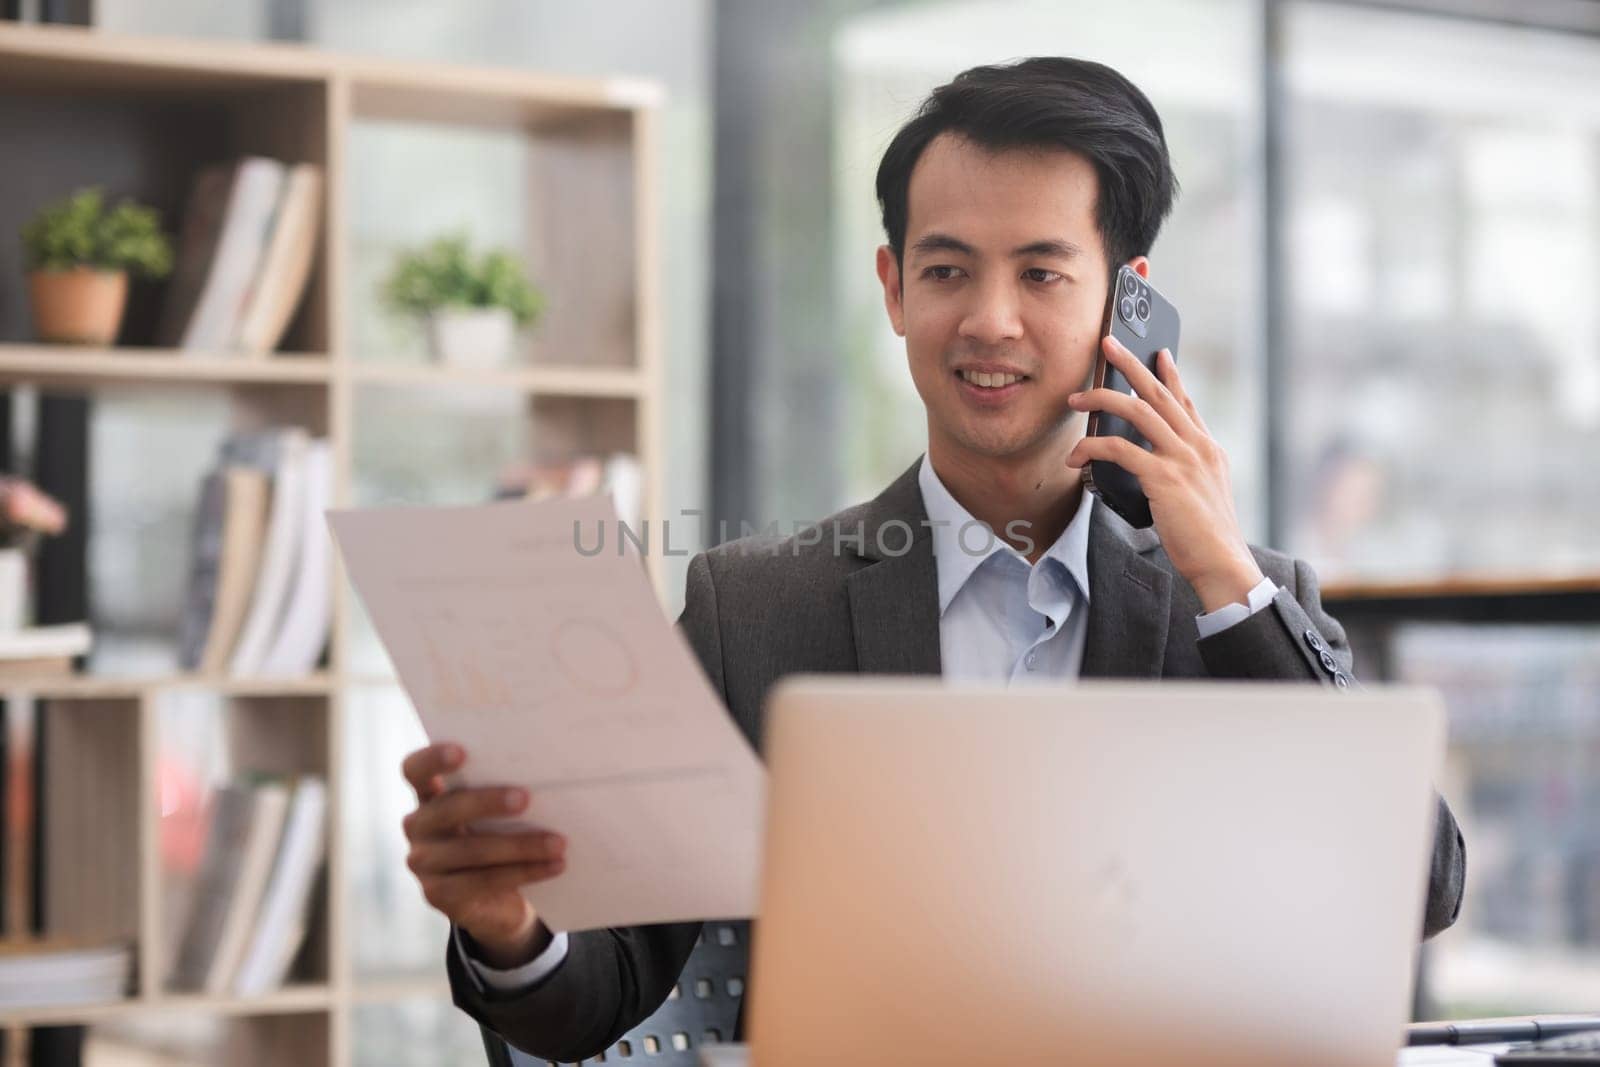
point(1004, 273)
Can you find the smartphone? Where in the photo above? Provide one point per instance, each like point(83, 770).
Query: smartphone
point(1146, 322)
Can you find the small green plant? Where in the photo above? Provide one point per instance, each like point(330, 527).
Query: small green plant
point(80, 232)
point(445, 274)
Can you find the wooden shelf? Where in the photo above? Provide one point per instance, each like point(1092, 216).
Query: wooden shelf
point(1505, 599)
point(288, 1001)
point(384, 990)
point(500, 99)
point(534, 381)
point(96, 687)
point(69, 365)
point(63, 57)
point(1464, 587)
point(373, 679)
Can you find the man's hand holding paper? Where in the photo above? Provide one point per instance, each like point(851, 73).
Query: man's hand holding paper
point(475, 879)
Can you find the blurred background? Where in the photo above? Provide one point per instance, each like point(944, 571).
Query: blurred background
point(1387, 258)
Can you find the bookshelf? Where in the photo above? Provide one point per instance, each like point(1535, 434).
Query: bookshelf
point(141, 116)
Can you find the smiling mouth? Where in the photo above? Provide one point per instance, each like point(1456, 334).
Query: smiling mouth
point(990, 381)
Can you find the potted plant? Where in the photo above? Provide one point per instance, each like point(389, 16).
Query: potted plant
point(79, 255)
point(472, 305)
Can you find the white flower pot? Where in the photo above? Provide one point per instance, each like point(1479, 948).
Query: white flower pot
point(13, 589)
point(471, 337)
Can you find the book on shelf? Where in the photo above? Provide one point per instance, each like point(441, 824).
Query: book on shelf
point(46, 972)
point(212, 538)
point(264, 849)
point(280, 279)
point(221, 240)
point(205, 569)
point(244, 824)
point(259, 597)
point(225, 550)
point(302, 628)
point(246, 492)
point(43, 650)
point(18, 763)
point(280, 928)
point(245, 250)
point(279, 555)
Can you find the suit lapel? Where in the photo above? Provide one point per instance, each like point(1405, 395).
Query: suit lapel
point(894, 608)
point(894, 600)
point(1130, 601)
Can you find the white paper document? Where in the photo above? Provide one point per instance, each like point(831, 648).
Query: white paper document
point(528, 633)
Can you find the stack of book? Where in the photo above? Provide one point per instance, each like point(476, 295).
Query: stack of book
point(42, 650)
point(248, 241)
point(259, 598)
point(49, 972)
point(254, 894)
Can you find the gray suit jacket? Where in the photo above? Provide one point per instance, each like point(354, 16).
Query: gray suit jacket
point(761, 608)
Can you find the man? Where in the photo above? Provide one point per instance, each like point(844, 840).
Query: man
point(1009, 201)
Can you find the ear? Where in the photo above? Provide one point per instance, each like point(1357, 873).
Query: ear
point(1141, 266)
point(893, 302)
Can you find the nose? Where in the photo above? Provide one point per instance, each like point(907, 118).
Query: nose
point(994, 316)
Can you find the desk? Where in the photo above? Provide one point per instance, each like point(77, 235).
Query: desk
point(1432, 1056)
point(1446, 1056)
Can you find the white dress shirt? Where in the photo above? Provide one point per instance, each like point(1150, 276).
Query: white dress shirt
point(1001, 619)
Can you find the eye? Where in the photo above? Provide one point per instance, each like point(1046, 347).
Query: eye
point(941, 273)
point(1040, 275)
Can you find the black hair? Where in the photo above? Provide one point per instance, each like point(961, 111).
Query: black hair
point(1048, 102)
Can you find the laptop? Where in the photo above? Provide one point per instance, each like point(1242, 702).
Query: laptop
point(1102, 873)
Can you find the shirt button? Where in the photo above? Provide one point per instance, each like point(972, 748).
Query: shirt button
point(1032, 660)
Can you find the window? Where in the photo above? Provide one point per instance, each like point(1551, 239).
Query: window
point(1442, 222)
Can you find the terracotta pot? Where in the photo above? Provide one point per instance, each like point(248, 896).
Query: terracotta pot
point(82, 306)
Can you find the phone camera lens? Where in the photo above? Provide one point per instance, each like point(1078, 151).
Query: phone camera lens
point(1130, 284)
point(1126, 307)
point(1143, 309)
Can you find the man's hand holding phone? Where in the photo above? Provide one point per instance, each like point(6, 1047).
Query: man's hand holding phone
point(474, 878)
point(1184, 475)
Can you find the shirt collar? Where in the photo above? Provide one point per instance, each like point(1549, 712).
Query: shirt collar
point(956, 558)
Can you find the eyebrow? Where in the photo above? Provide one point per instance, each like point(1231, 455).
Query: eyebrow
point(943, 242)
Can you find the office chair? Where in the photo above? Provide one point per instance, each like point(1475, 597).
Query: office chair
point(702, 1008)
